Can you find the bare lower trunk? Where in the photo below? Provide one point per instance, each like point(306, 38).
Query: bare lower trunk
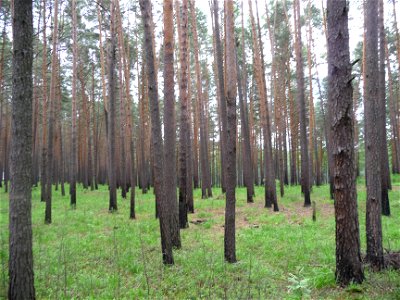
point(111, 114)
point(305, 174)
point(231, 79)
point(169, 124)
point(73, 162)
point(157, 144)
point(348, 257)
point(21, 279)
point(184, 107)
point(372, 155)
point(381, 117)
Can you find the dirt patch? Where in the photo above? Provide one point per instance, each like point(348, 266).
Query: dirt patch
point(297, 213)
point(198, 221)
point(294, 212)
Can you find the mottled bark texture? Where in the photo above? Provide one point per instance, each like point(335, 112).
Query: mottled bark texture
point(381, 118)
point(111, 115)
point(21, 285)
point(169, 123)
point(305, 173)
point(206, 190)
point(221, 89)
point(348, 257)
point(372, 157)
point(156, 136)
point(74, 167)
point(248, 174)
point(230, 98)
point(51, 119)
point(268, 166)
point(184, 113)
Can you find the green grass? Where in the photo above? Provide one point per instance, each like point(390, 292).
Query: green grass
point(89, 253)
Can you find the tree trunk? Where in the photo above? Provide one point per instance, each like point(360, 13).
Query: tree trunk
point(126, 114)
point(305, 174)
point(348, 256)
point(191, 168)
point(268, 166)
point(204, 161)
point(73, 169)
point(111, 114)
point(157, 144)
point(221, 89)
point(244, 115)
point(393, 120)
point(169, 123)
point(381, 117)
point(183, 98)
point(43, 179)
point(313, 132)
point(246, 155)
point(21, 285)
point(51, 119)
point(230, 96)
point(372, 155)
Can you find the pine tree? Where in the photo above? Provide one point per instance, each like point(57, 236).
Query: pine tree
point(21, 279)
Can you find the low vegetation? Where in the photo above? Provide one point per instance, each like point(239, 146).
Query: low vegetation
point(89, 253)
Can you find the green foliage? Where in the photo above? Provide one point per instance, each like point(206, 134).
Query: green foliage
point(89, 253)
point(298, 285)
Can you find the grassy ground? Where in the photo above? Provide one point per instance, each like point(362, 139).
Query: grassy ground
point(89, 253)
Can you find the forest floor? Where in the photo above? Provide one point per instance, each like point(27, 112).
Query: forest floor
point(89, 253)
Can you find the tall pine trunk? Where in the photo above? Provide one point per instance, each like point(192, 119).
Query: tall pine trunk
point(184, 107)
point(372, 155)
point(51, 119)
point(305, 172)
point(206, 190)
point(111, 115)
point(157, 144)
point(230, 98)
point(169, 123)
point(43, 165)
point(381, 117)
point(73, 162)
point(21, 279)
point(348, 256)
point(221, 90)
point(268, 165)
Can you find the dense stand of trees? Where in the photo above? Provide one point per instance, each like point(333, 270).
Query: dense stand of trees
point(258, 118)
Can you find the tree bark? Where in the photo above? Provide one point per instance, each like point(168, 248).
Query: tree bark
point(51, 120)
point(21, 278)
point(184, 107)
point(221, 89)
point(246, 155)
point(268, 165)
point(169, 123)
point(348, 256)
point(157, 144)
point(230, 98)
point(393, 120)
point(372, 155)
point(206, 190)
point(305, 174)
point(73, 169)
point(111, 115)
point(381, 117)
point(43, 166)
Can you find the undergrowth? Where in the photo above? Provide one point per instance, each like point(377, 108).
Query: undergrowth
point(88, 253)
